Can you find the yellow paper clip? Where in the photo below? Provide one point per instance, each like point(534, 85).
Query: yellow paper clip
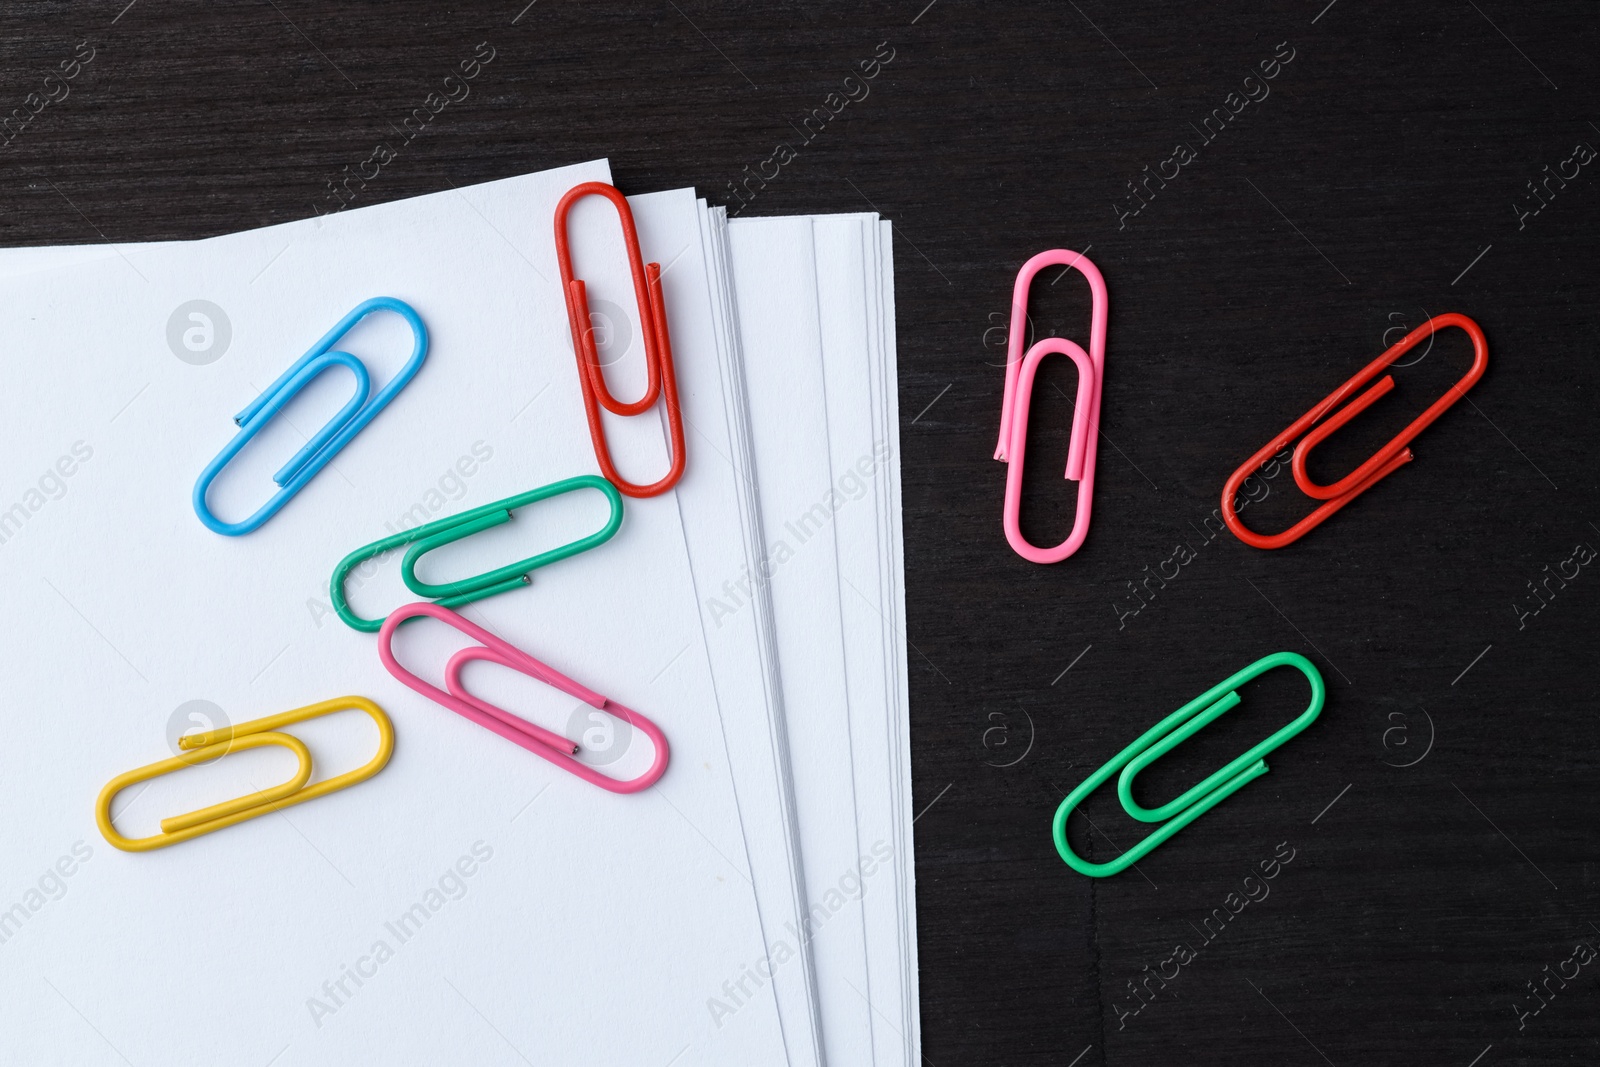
point(254, 734)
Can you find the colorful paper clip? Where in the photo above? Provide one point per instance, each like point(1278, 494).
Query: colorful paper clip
point(1019, 390)
point(1388, 459)
point(535, 739)
point(1167, 735)
point(424, 539)
point(326, 442)
point(660, 381)
point(255, 734)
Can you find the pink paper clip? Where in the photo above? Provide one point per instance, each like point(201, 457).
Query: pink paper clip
point(1019, 389)
point(541, 742)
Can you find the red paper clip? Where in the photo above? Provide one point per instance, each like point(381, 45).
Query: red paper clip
point(659, 380)
point(536, 739)
point(1388, 459)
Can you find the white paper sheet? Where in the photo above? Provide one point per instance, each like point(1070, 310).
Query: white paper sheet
point(861, 453)
point(892, 534)
point(775, 280)
point(592, 924)
point(719, 527)
point(815, 306)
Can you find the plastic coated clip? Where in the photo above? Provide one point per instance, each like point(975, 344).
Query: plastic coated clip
point(1388, 459)
point(424, 539)
point(1020, 371)
point(536, 739)
point(660, 381)
point(1167, 735)
point(255, 734)
point(326, 442)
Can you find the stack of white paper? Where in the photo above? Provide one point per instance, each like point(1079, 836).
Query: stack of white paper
point(470, 903)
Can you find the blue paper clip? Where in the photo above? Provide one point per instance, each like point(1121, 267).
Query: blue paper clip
point(326, 443)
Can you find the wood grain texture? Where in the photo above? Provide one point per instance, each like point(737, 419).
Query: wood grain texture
point(1389, 157)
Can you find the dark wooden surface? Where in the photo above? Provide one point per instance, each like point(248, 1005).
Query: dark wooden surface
point(1458, 748)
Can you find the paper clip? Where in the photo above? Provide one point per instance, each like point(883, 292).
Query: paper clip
point(255, 734)
point(1019, 391)
point(536, 739)
point(659, 381)
point(1388, 459)
point(326, 442)
point(424, 539)
point(1167, 735)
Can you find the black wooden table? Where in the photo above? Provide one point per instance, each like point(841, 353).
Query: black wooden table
point(1274, 193)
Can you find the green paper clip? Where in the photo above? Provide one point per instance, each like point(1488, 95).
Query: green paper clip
point(1163, 738)
point(429, 536)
